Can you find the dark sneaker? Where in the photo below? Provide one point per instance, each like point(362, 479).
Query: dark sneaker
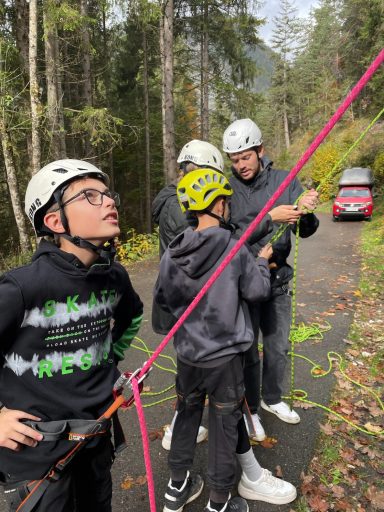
point(236, 504)
point(176, 499)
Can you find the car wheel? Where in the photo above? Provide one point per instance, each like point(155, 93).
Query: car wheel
point(335, 219)
point(368, 218)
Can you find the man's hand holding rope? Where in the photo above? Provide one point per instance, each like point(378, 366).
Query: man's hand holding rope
point(308, 201)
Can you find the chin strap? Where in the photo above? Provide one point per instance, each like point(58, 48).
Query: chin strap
point(106, 251)
point(223, 223)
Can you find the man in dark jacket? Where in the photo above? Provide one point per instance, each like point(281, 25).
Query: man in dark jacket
point(254, 181)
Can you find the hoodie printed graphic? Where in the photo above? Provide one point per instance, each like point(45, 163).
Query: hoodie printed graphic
point(220, 326)
point(57, 348)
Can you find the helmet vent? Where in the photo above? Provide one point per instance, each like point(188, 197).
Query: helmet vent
point(60, 170)
point(196, 187)
point(208, 194)
point(247, 140)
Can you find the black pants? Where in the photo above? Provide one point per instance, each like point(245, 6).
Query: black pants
point(273, 319)
point(85, 486)
point(224, 386)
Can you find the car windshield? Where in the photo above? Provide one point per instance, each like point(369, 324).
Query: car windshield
point(353, 192)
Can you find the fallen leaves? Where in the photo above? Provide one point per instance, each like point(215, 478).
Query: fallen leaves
point(317, 504)
point(269, 442)
point(130, 482)
point(375, 497)
point(376, 429)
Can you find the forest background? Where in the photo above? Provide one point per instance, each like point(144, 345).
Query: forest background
point(125, 84)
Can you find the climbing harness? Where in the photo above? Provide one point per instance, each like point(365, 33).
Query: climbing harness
point(35, 489)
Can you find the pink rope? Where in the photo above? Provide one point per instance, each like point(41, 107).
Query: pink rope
point(145, 441)
point(352, 95)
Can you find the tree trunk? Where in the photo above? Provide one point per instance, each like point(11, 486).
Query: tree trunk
point(60, 96)
point(34, 87)
point(86, 56)
point(25, 244)
point(21, 30)
point(162, 63)
point(148, 216)
point(204, 75)
point(170, 164)
point(54, 103)
point(21, 10)
point(285, 114)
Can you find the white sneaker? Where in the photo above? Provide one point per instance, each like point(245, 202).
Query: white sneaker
point(259, 434)
point(282, 411)
point(167, 437)
point(267, 488)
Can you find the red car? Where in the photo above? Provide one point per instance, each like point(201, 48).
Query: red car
point(353, 202)
point(354, 198)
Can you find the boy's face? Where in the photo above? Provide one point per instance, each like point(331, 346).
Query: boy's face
point(96, 223)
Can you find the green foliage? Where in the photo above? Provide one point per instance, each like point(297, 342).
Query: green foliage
point(14, 259)
point(378, 169)
point(101, 126)
point(138, 246)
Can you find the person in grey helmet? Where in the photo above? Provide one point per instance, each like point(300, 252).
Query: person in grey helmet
point(254, 181)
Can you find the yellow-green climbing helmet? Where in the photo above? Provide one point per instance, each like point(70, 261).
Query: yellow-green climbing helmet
point(198, 189)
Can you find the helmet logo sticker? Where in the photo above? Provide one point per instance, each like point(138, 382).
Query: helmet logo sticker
point(34, 206)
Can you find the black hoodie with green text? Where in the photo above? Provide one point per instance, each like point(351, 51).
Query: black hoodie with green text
point(57, 347)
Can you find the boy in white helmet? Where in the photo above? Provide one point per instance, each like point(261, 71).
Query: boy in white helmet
point(58, 351)
point(210, 346)
point(253, 182)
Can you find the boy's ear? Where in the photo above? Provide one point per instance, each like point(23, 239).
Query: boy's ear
point(260, 151)
point(53, 221)
point(219, 206)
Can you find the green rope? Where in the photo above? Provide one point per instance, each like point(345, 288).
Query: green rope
point(149, 352)
point(317, 371)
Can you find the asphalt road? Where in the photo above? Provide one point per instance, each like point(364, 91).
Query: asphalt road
point(328, 274)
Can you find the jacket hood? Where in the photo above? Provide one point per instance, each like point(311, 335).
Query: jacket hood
point(196, 252)
point(160, 200)
point(260, 178)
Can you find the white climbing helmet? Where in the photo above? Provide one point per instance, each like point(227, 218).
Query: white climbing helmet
point(202, 154)
point(241, 135)
point(46, 181)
